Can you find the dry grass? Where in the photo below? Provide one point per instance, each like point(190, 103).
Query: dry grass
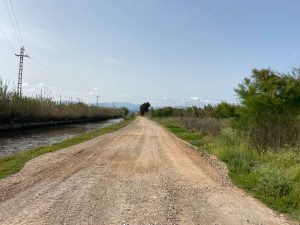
point(22, 109)
point(206, 125)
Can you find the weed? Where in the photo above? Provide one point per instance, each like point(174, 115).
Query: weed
point(273, 177)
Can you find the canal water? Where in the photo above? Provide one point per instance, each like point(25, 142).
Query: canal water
point(15, 141)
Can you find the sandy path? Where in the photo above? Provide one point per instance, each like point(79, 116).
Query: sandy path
point(140, 174)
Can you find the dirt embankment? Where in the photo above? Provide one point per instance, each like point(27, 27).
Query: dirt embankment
point(140, 174)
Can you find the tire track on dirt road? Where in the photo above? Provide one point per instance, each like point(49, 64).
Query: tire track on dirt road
point(140, 174)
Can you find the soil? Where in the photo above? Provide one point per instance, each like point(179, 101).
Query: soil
point(140, 174)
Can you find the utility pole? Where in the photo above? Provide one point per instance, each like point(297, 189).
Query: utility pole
point(97, 96)
point(20, 75)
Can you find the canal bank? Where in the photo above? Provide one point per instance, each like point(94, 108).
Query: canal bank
point(14, 141)
point(13, 163)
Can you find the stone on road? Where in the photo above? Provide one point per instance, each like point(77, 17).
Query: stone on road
point(140, 174)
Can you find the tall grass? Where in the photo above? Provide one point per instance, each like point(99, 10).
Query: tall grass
point(206, 125)
point(23, 109)
point(274, 132)
point(271, 176)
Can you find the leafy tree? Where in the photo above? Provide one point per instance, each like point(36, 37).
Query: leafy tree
point(224, 110)
point(144, 108)
point(270, 104)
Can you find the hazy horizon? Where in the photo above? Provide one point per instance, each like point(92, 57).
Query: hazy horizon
point(165, 52)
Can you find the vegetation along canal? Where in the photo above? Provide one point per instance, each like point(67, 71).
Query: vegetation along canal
point(15, 141)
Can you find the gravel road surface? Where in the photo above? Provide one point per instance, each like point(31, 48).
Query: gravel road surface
point(140, 174)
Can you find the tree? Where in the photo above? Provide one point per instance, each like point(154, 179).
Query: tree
point(224, 110)
point(270, 104)
point(144, 108)
point(126, 110)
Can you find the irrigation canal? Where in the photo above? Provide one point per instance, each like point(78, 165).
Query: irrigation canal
point(19, 140)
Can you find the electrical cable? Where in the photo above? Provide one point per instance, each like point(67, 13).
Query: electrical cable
point(18, 27)
point(7, 41)
point(12, 22)
point(52, 72)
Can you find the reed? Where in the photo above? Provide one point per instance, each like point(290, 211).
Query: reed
point(16, 109)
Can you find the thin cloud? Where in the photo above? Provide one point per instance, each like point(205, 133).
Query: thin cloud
point(93, 93)
point(124, 95)
point(194, 98)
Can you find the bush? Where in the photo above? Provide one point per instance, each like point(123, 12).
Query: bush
point(206, 126)
point(277, 189)
point(269, 108)
point(274, 182)
point(224, 110)
point(162, 112)
point(273, 177)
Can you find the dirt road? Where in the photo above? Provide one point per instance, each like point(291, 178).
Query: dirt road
point(140, 174)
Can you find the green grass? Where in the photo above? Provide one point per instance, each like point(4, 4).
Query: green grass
point(194, 138)
point(12, 164)
point(271, 177)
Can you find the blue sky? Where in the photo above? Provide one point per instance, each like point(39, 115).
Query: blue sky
point(168, 52)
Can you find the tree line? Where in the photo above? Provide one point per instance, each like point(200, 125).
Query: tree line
point(267, 113)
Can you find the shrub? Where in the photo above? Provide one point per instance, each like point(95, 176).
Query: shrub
point(269, 108)
point(206, 126)
point(274, 182)
point(224, 110)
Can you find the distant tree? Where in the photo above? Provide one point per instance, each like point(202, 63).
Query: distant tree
point(152, 112)
point(224, 110)
point(126, 110)
point(144, 108)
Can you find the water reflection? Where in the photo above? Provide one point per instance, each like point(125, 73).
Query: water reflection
point(16, 141)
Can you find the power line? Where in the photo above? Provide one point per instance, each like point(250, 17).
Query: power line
point(52, 72)
point(38, 67)
point(12, 22)
point(21, 42)
point(12, 7)
point(7, 41)
point(44, 70)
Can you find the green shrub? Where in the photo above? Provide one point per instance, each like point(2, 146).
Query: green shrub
point(274, 182)
point(294, 173)
point(206, 125)
point(269, 109)
point(271, 176)
point(238, 161)
point(224, 110)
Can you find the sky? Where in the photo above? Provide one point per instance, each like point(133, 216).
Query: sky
point(168, 52)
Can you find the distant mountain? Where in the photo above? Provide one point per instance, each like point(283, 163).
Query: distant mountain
point(131, 106)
